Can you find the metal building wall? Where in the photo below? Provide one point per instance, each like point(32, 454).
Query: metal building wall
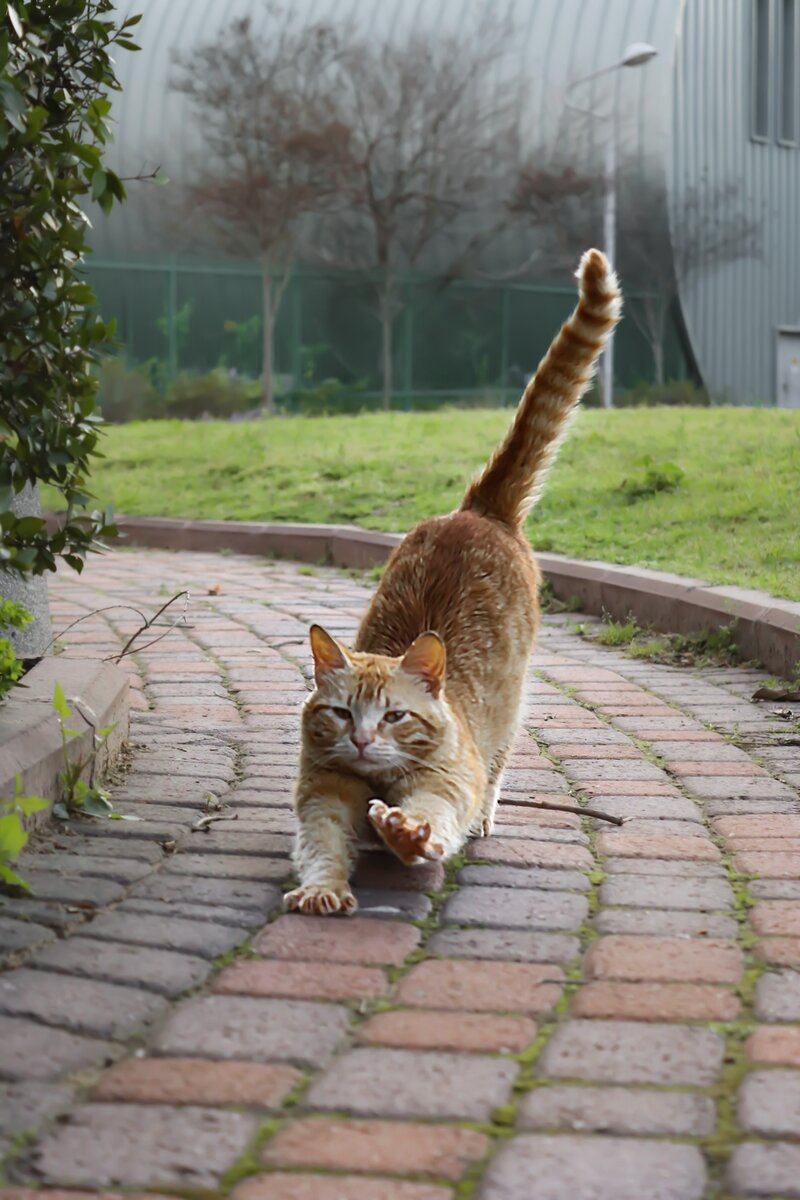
point(733, 312)
point(559, 40)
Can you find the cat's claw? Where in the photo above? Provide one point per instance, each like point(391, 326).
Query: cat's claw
point(320, 900)
point(405, 837)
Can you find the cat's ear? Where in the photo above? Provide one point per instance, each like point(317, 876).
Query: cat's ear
point(425, 659)
point(328, 654)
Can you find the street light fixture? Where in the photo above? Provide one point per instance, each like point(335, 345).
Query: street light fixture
point(634, 55)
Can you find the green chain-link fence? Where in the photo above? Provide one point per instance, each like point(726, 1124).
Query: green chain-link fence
point(469, 341)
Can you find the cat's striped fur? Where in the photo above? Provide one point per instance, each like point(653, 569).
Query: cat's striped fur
point(406, 735)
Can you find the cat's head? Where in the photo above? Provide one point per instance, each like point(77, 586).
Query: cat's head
point(374, 714)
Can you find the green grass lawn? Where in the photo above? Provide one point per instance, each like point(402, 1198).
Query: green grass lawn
point(734, 517)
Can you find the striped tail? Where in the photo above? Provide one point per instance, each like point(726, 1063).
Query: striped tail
point(510, 484)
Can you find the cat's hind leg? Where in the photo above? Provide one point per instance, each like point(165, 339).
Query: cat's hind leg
point(485, 824)
point(329, 819)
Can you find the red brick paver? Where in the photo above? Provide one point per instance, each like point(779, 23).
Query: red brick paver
point(533, 1022)
point(377, 1147)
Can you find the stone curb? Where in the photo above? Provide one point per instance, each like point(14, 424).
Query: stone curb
point(767, 629)
point(30, 739)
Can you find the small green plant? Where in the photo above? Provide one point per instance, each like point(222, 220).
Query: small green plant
point(618, 633)
point(13, 834)
point(217, 394)
point(704, 647)
point(12, 616)
point(246, 338)
point(79, 797)
point(326, 397)
point(128, 393)
point(651, 648)
point(657, 477)
point(180, 323)
point(674, 392)
point(707, 647)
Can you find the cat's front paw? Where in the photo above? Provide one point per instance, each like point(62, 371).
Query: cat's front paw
point(486, 826)
point(321, 900)
point(407, 838)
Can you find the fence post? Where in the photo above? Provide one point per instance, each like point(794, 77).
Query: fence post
point(172, 312)
point(408, 354)
point(296, 328)
point(505, 317)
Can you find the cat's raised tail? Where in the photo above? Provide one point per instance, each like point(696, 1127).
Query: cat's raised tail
point(512, 480)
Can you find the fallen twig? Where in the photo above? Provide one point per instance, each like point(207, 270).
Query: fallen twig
point(148, 624)
point(570, 808)
point(204, 822)
point(93, 613)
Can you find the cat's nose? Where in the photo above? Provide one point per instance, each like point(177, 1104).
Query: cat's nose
point(360, 742)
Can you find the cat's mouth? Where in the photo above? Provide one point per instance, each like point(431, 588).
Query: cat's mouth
point(372, 769)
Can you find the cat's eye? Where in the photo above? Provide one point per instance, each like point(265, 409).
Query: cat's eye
point(394, 715)
point(342, 713)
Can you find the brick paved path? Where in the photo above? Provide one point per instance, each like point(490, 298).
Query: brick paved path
point(570, 1013)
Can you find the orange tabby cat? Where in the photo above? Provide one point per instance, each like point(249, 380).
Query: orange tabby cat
point(406, 734)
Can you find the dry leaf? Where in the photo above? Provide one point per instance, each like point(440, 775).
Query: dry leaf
point(765, 693)
point(215, 590)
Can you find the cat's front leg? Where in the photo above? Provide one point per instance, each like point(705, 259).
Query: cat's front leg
point(424, 827)
point(330, 808)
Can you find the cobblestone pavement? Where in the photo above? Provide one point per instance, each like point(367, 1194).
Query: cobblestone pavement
point(571, 1011)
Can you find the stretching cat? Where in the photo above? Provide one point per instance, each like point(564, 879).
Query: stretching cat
point(408, 732)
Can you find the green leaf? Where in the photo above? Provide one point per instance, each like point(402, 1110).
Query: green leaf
point(12, 836)
point(96, 805)
point(13, 17)
point(99, 184)
point(32, 804)
point(26, 526)
point(60, 702)
point(160, 180)
point(11, 879)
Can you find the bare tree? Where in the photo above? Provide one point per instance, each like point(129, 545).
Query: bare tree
point(559, 196)
point(430, 123)
point(560, 202)
point(708, 229)
point(272, 148)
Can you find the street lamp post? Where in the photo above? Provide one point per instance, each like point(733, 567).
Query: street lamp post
point(635, 55)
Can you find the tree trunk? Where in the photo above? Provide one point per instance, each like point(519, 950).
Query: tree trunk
point(268, 324)
point(656, 320)
point(658, 359)
point(28, 590)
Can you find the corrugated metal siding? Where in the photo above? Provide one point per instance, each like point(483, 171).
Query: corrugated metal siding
point(559, 40)
point(732, 313)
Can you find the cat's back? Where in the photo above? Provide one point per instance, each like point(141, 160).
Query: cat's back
point(467, 577)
